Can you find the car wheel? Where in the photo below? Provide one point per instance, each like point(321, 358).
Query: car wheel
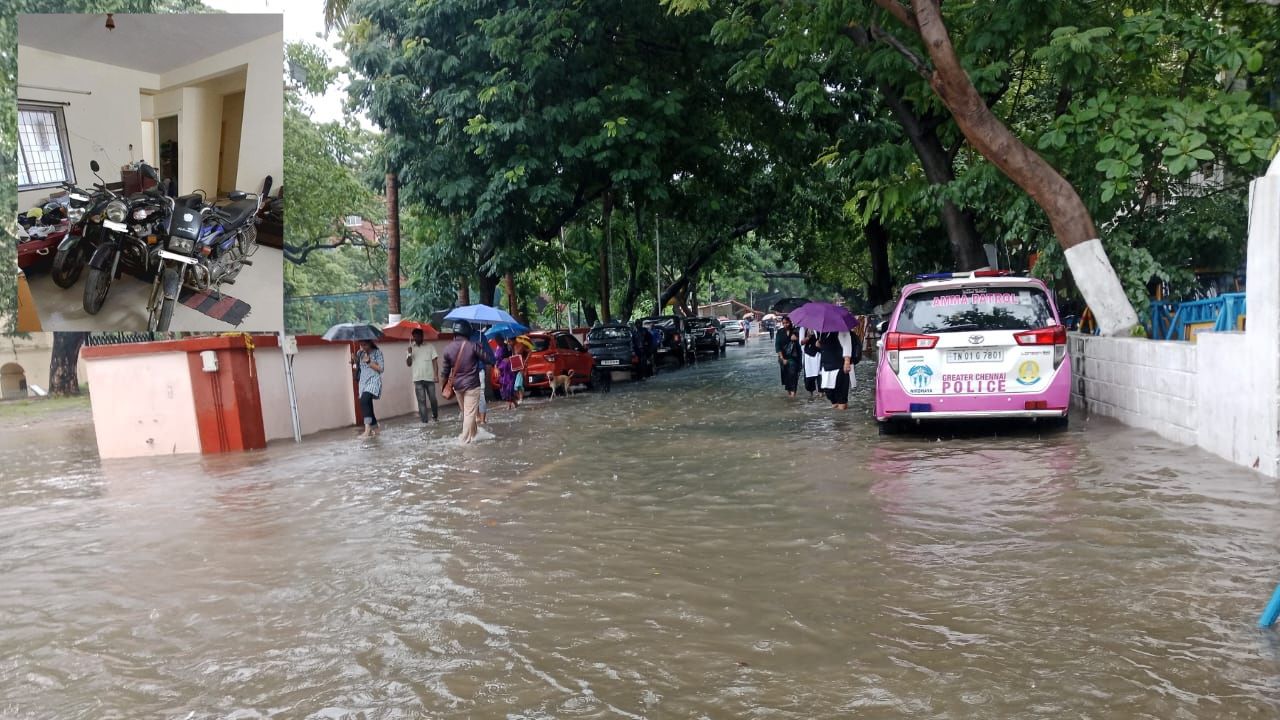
point(889, 427)
point(741, 343)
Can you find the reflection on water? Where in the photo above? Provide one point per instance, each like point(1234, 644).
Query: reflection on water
point(696, 546)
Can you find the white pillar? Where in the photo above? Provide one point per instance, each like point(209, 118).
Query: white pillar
point(1262, 334)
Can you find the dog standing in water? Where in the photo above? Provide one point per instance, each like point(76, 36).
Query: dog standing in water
point(561, 382)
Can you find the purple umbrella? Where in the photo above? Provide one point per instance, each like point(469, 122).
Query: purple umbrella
point(823, 317)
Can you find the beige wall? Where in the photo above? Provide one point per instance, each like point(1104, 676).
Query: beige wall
point(101, 126)
point(143, 405)
point(199, 133)
point(262, 128)
point(326, 400)
point(33, 354)
point(232, 117)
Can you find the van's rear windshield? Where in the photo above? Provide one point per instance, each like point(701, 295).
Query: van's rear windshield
point(975, 308)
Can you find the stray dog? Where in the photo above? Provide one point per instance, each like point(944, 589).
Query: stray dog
point(602, 378)
point(562, 382)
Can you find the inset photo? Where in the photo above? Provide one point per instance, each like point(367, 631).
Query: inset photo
point(150, 155)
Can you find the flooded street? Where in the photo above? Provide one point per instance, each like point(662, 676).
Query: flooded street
point(695, 546)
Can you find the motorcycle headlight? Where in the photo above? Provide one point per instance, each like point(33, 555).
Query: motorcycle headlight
point(181, 244)
point(75, 214)
point(116, 211)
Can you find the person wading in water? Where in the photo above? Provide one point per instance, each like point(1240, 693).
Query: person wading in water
point(786, 342)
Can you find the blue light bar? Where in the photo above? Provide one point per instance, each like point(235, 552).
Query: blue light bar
point(936, 276)
point(920, 407)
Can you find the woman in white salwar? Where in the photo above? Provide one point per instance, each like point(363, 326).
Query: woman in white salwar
point(835, 351)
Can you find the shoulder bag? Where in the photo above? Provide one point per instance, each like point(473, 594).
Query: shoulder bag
point(446, 392)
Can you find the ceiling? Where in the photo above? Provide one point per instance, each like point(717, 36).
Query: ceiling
point(150, 43)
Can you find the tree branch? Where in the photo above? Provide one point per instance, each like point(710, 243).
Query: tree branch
point(903, 14)
point(918, 63)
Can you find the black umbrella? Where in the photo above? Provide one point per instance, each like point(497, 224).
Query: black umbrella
point(786, 305)
point(350, 332)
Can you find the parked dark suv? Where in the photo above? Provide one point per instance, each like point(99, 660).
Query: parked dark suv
point(613, 345)
point(676, 344)
point(707, 335)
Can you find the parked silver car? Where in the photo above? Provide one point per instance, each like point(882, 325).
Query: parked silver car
point(733, 331)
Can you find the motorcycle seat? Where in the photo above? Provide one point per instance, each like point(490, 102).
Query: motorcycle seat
point(236, 212)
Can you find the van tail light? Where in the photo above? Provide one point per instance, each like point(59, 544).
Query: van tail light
point(1055, 335)
point(893, 342)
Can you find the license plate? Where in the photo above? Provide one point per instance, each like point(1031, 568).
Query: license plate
point(609, 362)
point(969, 356)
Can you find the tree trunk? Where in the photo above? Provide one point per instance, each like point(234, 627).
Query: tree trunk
point(1067, 214)
point(880, 291)
point(632, 294)
point(604, 257)
point(393, 249)
point(509, 287)
point(62, 363)
point(488, 289)
point(464, 292)
point(589, 312)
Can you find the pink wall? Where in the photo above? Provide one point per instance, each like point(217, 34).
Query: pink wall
point(143, 405)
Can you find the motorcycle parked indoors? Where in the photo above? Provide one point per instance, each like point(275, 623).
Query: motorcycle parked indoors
point(130, 228)
point(85, 212)
point(205, 247)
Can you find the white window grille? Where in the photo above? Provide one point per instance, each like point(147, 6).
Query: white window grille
point(44, 155)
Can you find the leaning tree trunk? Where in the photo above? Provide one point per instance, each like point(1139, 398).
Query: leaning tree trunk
point(62, 363)
point(1067, 214)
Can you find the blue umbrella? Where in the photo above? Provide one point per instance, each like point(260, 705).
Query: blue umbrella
point(506, 330)
point(481, 315)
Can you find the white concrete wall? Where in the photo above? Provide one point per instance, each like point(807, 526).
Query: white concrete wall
point(1223, 393)
point(232, 118)
point(1140, 382)
point(101, 126)
point(143, 405)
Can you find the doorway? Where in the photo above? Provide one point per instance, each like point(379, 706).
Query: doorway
point(13, 381)
point(167, 139)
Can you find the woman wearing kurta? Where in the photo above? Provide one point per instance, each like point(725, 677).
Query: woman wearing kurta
point(369, 361)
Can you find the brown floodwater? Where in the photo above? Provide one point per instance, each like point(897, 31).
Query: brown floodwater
point(695, 546)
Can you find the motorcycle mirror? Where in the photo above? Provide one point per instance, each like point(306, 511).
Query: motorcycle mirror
point(882, 326)
point(266, 187)
point(93, 165)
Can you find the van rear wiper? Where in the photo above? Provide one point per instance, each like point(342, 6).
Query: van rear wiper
point(958, 328)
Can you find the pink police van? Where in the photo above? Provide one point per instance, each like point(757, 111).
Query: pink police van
point(976, 345)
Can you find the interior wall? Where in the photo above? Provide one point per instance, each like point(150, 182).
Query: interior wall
point(148, 147)
point(199, 134)
point(262, 133)
point(232, 118)
point(100, 126)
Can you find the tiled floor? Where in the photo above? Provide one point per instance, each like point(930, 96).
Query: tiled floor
point(261, 286)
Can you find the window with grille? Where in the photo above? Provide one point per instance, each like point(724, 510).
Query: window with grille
point(44, 157)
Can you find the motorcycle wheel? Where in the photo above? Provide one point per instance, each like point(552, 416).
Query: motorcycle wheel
point(96, 286)
point(160, 310)
point(67, 266)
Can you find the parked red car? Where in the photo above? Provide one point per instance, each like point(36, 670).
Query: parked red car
point(555, 351)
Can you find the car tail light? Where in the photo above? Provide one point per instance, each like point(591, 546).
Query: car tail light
point(1036, 405)
point(677, 337)
point(1055, 335)
point(894, 342)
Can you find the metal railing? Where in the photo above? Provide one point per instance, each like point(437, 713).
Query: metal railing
point(1179, 321)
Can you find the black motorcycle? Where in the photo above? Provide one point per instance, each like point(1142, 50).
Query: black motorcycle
point(131, 225)
point(85, 211)
point(205, 246)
